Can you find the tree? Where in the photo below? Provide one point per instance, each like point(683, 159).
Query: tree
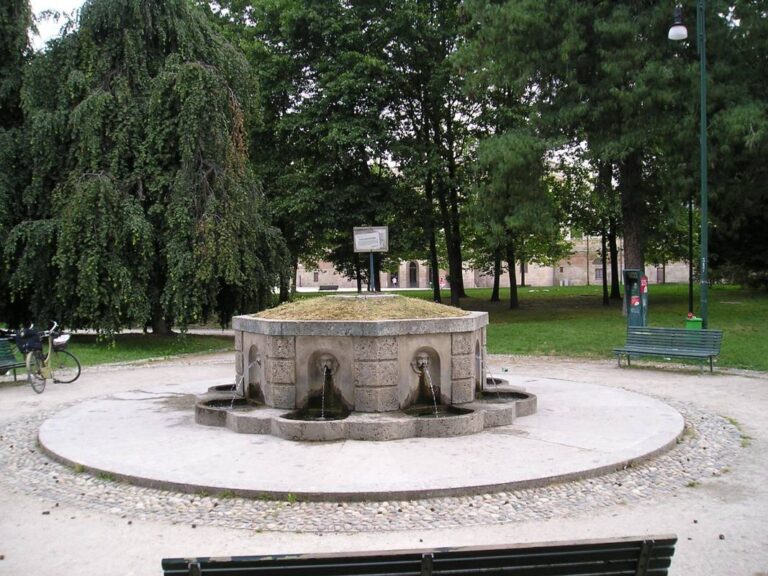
point(325, 141)
point(15, 23)
point(599, 72)
point(513, 197)
point(738, 137)
point(142, 206)
point(433, 114)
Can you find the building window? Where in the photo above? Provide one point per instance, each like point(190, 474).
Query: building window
point(316, 276)
point(413, 275)
point(598, 273)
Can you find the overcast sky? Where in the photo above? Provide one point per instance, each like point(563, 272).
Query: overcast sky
point(49, 29)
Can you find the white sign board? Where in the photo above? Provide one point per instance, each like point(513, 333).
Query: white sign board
point(371, 239)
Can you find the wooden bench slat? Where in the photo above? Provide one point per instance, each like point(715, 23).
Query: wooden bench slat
point(8, 360)
point(649, 556)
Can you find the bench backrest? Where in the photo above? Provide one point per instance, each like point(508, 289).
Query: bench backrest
point(622, 556)
point(673, 338)
point(6, 352)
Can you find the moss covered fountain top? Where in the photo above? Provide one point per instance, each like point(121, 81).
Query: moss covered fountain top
point(361, 308)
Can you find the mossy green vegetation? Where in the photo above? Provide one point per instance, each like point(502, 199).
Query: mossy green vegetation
point(352, 307)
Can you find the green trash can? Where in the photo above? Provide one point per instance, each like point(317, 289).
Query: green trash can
point(692, 323)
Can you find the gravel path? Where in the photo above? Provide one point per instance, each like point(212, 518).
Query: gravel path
point(709, 448)
point(710, 489)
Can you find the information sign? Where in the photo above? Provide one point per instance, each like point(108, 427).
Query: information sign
point(371, 238)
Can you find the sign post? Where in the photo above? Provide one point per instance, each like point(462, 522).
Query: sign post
point(371, 239)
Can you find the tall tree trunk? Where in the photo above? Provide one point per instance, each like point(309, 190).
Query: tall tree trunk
point(377, 272)
point(285, 288)
point(294, 274)
point(604, 261)
point(158, 321)
point(430, 231)
point(447, 199)
point(614, 251)
point(514, 302)
point(160, 326)
point(496, 275)
point(286, 276)
point(454, 201)
point(358, 274)
point(454, 260)
point(633, 210)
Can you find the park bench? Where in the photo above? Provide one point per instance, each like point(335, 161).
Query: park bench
point(648, 555)
point(324, 287)
point(8, 360)
point(670, 342)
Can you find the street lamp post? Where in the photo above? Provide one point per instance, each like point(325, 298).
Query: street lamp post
point(679, 32)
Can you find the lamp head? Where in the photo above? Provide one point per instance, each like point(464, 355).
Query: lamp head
point(678, 31)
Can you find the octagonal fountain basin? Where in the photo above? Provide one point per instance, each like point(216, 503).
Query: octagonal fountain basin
point(525, 402)
point(416, 421)
point(316, 414)
point(360, 367)
point(440, 411)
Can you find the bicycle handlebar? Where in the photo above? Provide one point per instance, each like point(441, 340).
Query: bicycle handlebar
point(42, 333)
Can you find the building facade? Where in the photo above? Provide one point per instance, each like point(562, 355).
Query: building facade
point(582, 268)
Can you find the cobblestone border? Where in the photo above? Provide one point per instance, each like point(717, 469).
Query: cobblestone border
point(710, 445)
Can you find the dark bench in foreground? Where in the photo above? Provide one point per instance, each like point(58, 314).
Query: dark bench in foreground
point(326, 287)
point(670, 342)
point(7, 359)
point(649, 556)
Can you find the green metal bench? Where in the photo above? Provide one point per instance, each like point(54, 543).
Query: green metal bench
point(645, 556)
point(670, 342)
point(8, 360)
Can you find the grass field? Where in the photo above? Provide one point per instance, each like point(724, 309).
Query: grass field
point(559, 321)
point(91, 350)
point(572, 321)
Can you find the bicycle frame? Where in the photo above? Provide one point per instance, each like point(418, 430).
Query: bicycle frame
point(46, 370)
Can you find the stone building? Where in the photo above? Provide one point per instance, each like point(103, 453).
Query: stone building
point(582, 267)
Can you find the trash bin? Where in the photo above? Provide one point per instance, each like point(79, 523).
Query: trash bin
point(692, 323)
point(636, 297)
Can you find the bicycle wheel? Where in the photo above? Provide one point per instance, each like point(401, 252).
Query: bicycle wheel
point(35, 371)
point(65, 367)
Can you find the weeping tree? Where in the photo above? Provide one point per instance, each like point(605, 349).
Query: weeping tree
point(15, 23)
point(142, 208)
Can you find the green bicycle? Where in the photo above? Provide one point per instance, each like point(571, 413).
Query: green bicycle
point(47, 361)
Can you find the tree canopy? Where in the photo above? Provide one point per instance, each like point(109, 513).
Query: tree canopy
point(142, 206)
point(165, 162)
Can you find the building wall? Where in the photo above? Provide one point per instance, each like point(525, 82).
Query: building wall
point(582, 267)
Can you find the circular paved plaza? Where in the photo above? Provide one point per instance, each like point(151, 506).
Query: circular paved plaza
point(706, 486)
point(148, 437)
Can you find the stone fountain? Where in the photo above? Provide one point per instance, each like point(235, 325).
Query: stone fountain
point(373, 374)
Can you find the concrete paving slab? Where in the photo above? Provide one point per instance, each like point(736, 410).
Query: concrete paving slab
point(149, 437)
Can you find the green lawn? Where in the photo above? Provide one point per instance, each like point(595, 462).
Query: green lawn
point(91, 350)
point(572, 321)
point(560, 321)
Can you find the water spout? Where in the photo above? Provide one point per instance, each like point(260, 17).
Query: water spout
point(427, 390)
point(239, 391)
point(428, 380)
point(327, 389)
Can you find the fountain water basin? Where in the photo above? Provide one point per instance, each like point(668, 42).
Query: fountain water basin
point(366, 379)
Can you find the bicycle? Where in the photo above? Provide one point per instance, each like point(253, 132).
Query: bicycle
point(58, 364)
